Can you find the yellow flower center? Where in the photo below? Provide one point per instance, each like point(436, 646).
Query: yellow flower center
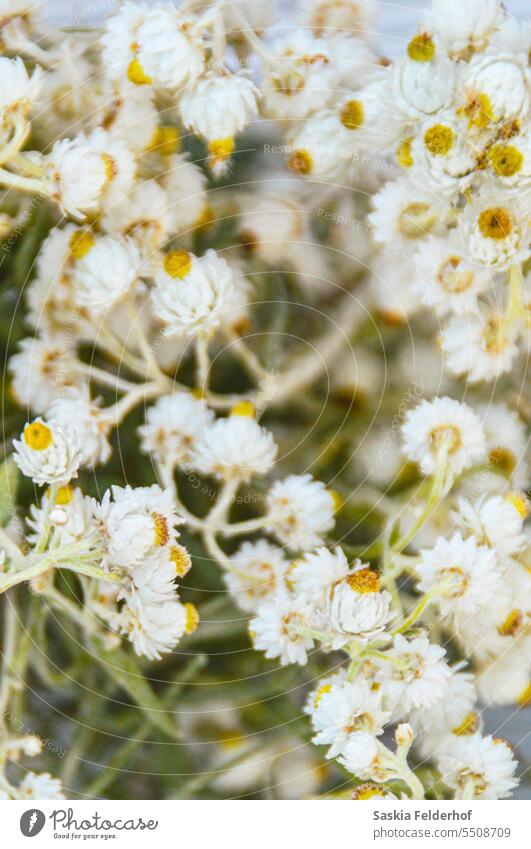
point(506, 160)
point(336, 498)
point(439, 139)
point(494, 335)
point(447, 434)
point(180, 559)
point(403, 154)
point(243, 408)
point(495, 223)
point(64, 495)
point(524, 699)
point(324, 688)
point(469, 725)
point(478, 110)
point(161, 529)
point(177, 263)
point(454, 581)
point(38, 436)
point(192, 617)
point(364, 581)
point(519, 502)
point(512, 624)
point(300, 162)
point(221, 148)
point(136, 75)
point(503, 459)
point(166, 140)
point(110, 168)
point(366, 791)
point(452, 280)
point(416, 220)
point(421, 48)
point(352, 114)
point(81, 241)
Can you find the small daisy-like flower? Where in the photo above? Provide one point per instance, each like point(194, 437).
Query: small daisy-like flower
point(128, 112)
point(344, 709)
point(47, 452)
point(40, 371)
point(500, 86)
point(235, 448)
point(77, 176)
point(18, 91)
point(479, 768)
point(452, 714)
point(193, 293)
point(315, 574)
point(480, 346)
point(119, 162)
point(419, 676)
point(405, 215)
point(169, 53)
point(218, 107)
point(509, 160)
point(464, 26)
point(144, 215)
point(106, 273)
point(302, 511)
point(444, 160)
point(506, 443)
point(443, 424)
point(280, 629)
point(40, 786)
point(465, 575)
point(319, 147)
point(446, 279)
point(423, 82)
point(360, 755)
point(357, 609)
point(76, 412)
point(155, 629)
point(496, 522)
point(328, 17)
point(173, 426)
point(136, 522)
point(495, 230)
point(369, 117)
point(77, 509)
point(257, 571)
point(506, 679)
point(120, 39)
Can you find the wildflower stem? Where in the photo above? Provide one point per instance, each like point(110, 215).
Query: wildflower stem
point(202, 361)
point(415, 614)
point(247, 356)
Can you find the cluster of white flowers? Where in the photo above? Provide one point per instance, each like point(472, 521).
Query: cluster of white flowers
point(432, 619)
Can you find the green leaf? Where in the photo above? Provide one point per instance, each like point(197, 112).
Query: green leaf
point(9, 477)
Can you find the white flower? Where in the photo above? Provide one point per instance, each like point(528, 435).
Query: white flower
point(320, 147)
point(155, 629)
point(18, 91)
point(405, 215)
point(507, 678)
point(316, 573)
point(145, 214)
point(137, 522)
point(482, 347)
point(345, 709)
point(119, 162)
point(328, 17)
point(465, 25)
point(173, 426)
point(193, 293)
point(40, 786)
point(479, 768)
point(510, 160)
point(496, 521)
point(279, 626)
point(121, 33)
point(506, 442)
point(76, 412)
point(218, 106)
point(106, 273)
point(451, 714)
point(494, 228)
point(169, 53)
point(128, 112)
point(419, 676)
point(47, 452)
point(443, 424)
point(77, 176)
point(78, 514)
point(444, 159)
point(357, 610)
point(301, 510)
point(369, 118)
point(257, 571)
point(446, 279)
point(360, 755)
point(500, 84)
point(235, 448)
point(40, 372)
point(465, 575)
point(423, 83)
